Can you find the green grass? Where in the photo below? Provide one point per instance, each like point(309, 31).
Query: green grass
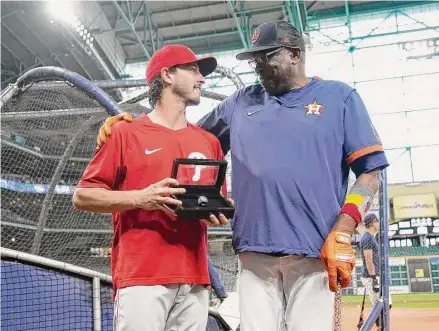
point(418, 300)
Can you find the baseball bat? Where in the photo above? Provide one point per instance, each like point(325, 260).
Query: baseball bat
point(361, 320)
point(337, 308)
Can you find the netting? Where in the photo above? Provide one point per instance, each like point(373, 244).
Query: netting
point(64, 301)
point(46, 299)
point(48, 137)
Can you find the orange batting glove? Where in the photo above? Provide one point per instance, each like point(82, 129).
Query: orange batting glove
point(338, 256)
point(105, 129)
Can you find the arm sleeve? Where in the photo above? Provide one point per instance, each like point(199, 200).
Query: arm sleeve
point(105, 170)
point(369, 162)
point(217, 122)
point(362, 145)
point(364, 242)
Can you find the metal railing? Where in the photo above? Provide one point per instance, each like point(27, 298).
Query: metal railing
point(96, 278)
point(381, 308)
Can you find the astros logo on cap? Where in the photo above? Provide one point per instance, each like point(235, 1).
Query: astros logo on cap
point(256, 35)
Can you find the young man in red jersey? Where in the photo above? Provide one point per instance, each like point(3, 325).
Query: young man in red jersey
point(159, 262)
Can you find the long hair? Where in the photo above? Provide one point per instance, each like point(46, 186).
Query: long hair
point(156, 89)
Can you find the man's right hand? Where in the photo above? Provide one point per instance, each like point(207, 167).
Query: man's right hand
point(105, 129)
point(158, 196)
point(338, 257)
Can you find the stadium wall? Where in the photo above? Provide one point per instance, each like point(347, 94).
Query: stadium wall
point(412, 274)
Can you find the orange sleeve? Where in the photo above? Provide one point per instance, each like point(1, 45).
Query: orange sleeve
point(363, 151)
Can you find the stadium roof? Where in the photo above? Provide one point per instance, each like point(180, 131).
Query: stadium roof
point(45, 33)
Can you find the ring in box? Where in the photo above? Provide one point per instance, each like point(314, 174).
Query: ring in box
point(203, 180)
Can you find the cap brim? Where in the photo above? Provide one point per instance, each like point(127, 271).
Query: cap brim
point(248, 55)
point(207, 65)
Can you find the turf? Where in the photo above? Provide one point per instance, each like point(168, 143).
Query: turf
point(418, 300)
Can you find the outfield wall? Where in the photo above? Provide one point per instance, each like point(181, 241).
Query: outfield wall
point(407, 275)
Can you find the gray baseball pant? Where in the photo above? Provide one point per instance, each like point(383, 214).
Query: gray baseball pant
point(289, 293)
point(373, 296)
point(179, 307)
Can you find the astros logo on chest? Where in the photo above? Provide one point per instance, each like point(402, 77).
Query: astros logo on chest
point(314, 109)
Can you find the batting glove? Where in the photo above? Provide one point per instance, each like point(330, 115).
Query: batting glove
point(105, 129)
point(338, 257)
point(375, 285)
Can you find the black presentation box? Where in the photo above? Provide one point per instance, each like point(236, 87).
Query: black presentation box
point(203, 190)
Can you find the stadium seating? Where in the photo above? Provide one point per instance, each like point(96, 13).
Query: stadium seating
point(414, 251)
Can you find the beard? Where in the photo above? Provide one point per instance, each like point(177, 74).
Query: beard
point(188, 94)
point(275, 86)
point(274, 81)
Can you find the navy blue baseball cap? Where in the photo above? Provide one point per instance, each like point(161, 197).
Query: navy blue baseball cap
point(272, 35)
point(369, 219)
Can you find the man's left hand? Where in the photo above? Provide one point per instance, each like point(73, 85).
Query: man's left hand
point(221, 220)
point(338, 256)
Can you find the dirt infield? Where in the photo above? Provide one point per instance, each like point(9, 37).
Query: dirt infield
point(401, 319)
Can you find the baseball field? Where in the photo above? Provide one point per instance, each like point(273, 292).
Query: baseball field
point(409, 312)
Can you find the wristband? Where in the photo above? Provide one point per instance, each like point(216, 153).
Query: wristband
point(362, 197)
point(351, 210)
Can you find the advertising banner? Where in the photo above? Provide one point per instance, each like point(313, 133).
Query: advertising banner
point(419, 275)
point(420, 205)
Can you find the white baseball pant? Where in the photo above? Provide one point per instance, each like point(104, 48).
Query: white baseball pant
point(179, 307)
point(284, 293)
point(373, 296)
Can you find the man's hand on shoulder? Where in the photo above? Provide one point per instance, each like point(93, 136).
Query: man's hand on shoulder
point(105, 129)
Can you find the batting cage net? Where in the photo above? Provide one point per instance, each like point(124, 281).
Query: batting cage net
point(48, 137)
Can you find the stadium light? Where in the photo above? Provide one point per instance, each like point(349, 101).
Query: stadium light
point(61, 10)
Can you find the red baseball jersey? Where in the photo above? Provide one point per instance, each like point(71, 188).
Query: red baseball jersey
point(151, 247)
